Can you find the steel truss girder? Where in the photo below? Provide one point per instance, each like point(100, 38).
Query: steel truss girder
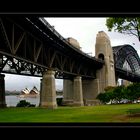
point(12, 65)
point(25, 47)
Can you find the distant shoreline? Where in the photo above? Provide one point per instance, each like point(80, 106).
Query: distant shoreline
point(28, 95)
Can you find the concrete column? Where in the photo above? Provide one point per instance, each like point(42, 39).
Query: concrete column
point(68, 92)
point(90, 91)
point(40, 92)
point(102, 80)
point(48, 90)
point(78, 93)
point(2, 91)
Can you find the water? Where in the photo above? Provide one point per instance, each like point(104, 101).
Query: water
point(12, 100)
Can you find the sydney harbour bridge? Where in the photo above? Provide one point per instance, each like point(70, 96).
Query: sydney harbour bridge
point(31, 46)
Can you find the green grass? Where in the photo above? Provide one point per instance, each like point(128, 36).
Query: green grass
point(102, 113)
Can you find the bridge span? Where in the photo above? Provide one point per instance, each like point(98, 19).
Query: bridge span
point(31, 46)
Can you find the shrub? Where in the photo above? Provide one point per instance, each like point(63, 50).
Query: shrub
point(24, 103)
point(103, 97)
point(59, 101)
point(109, 88)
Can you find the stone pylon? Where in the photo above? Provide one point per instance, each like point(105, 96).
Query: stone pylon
point(48, 90)
point(103, 50)
point(78, 91)
point(2, 91)
point(73, 92)
point(68, 92)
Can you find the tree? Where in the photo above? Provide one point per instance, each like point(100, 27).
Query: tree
point(109, 88)
point(129, 26)
point(103, 97)
point(133, 91)
point(119, 93)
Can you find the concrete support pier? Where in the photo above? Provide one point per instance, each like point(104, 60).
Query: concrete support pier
point(40, 93)
point(68, 92)
point(90, 91)
point(2, 91)
point(48, 90)
point(78, 93)
point(103, 51)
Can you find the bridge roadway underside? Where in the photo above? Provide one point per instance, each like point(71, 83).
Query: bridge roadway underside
point(28, 44)
point(126, 75)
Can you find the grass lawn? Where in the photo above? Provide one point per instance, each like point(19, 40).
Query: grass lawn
point(102, 113)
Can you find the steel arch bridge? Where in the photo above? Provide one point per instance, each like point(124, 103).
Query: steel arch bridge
point(127, 63)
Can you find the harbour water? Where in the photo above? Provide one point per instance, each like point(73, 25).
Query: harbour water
point(12, 100)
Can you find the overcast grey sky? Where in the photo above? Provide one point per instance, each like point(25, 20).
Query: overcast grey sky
point(84, 30)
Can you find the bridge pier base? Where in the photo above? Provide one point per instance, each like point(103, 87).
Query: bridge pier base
point(68, 92)
point(78, 92)
point(2, 91)
point(73, 93)
point(90, 91)
point(48, 90)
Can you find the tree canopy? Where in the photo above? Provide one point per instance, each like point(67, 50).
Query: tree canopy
point(129, 26)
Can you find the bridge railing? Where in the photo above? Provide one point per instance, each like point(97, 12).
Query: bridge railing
point(65, 41)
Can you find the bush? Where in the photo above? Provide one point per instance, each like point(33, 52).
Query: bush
point(59, 101)
point(103, 97)
point(109, 88)
point(24, 103)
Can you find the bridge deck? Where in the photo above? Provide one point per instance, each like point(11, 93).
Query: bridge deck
point(38, 45)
